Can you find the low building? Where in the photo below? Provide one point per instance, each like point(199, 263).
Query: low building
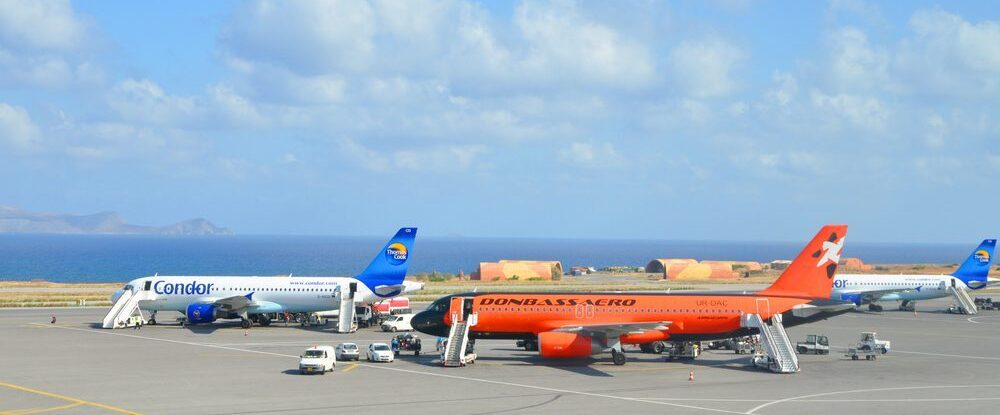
point(690, 269)
point(855, 264)
point(518, 270)
point(780, 264)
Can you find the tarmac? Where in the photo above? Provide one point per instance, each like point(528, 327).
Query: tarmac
point(939, 363)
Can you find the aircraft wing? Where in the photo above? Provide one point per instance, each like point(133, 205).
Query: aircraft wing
point(875, 295)
point(614, 329)
point(234, 303)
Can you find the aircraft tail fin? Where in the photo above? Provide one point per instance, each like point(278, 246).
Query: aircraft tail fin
point(386, 272)
point(976, 267)
point(810, 275)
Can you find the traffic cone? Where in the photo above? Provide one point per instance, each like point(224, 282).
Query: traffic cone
point(245, 332)
point(691, 376)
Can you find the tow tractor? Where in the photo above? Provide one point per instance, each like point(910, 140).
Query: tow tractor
point(683, 350)
point(815, 344)
point(868, 346)
point(407, 342)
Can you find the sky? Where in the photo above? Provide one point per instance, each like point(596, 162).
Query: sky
point(726, 119)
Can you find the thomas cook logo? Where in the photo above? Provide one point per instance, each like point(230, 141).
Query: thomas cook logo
point(396, 253)
point(982, 256)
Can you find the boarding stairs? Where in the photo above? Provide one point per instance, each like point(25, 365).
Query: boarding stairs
point(778, 354)
point(965, 302)
point(458, 340)
point(345, 319)
point(120, 315)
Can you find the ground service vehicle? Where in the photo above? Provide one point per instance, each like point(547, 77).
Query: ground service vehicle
point(348, 351)
point(318, 359)
point(398, 322)
point(380, 352)
point(869, 342)
point(814, 344)
point(408, 342)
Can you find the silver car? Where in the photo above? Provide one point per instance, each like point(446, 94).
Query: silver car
point(348, 351)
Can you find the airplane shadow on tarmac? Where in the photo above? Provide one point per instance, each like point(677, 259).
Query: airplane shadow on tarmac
point(579, 366)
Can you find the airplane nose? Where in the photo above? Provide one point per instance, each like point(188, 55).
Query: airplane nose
point(430, 323)
point(116, 296)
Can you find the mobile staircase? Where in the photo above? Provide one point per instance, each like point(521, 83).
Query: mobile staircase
point(345, 319)
point(458, 340)
point(776, 352)
point(123, 310)
point(965, 303)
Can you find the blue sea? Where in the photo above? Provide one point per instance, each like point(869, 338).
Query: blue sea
point(115, 258)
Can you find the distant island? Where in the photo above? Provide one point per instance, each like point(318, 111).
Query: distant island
point(14, 220)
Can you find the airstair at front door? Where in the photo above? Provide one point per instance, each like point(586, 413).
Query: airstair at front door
point(778, 355)
point(462, 318)
point(965, 302)
point(122, 311)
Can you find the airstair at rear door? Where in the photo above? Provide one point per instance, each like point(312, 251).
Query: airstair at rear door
point(965, 302)
point(778, 355)
point(120, 315)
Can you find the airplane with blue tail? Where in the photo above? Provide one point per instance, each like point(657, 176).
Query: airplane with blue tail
point(973, 274)
point(204, 299)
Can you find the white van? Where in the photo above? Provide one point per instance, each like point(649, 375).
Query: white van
point(398, 322)
point(318, 359)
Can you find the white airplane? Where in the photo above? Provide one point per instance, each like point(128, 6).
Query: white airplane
point(872, 288)
point(203, 299)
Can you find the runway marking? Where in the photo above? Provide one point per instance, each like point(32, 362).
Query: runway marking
point(67, 398)
point(814, 395)
point(42, 410)
point(930, 354)
point(973, 319)
point(351, 367)
point(463, 378)
point(829, 400)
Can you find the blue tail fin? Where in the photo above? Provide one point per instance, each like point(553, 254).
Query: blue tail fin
point(975, 268)
point(386, 272)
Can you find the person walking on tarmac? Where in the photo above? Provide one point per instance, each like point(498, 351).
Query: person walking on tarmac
point(395, 346)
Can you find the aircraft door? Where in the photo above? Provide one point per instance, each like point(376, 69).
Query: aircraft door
point(457, 309)
point(147, 285)
point(764, 307)
point(952, 283)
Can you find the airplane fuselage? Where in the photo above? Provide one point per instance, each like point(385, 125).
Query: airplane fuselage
point(914, 287)
point(268, 294)
point(692, 316)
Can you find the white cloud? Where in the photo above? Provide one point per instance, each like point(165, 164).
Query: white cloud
point(854, 64)
point(17, 131)
point(40, 24)
point(145, 101)
point(45, 43)
point(951, 56)
point(602, 154)
point(429, 159)
point(704, 67)
point(862, 111)
point(936, 131)
point(785, 90)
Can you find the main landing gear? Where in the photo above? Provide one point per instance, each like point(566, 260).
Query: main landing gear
point(618, 357)
point(152, 318)
point(245, 323)
point(874, 307)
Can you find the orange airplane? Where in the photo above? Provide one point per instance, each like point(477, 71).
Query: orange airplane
point(576, 324)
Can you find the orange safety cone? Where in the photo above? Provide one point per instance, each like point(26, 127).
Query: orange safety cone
point(691, 376)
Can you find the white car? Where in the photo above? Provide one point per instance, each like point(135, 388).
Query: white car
point(348, 351)
point(380, 352)
point(318, 359)
point(398, 322)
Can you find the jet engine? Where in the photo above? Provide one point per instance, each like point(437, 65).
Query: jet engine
point(854, 298)
point(556, 344)
point(201, 313)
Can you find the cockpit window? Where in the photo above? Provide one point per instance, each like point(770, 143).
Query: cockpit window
point(128, 287)
point(439, 305)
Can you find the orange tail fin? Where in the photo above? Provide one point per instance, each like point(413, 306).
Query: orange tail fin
point(810, 275)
